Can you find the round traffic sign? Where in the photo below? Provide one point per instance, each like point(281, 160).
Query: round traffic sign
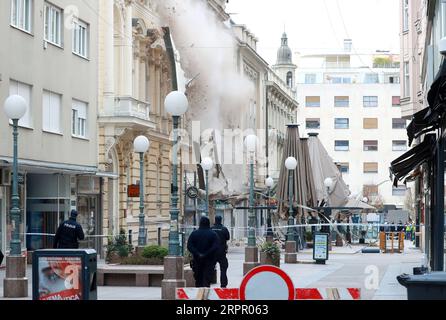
point(267, 283)
point(192, 192)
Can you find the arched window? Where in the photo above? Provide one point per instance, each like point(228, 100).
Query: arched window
point(289, 79)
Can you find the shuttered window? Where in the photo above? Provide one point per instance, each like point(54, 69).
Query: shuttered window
point(313, 102)
point(370, 167)
point(370, 123)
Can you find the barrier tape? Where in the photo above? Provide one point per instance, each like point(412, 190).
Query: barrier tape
point(301, 294)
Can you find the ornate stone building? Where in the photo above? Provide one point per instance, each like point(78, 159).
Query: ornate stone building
point(135, 75)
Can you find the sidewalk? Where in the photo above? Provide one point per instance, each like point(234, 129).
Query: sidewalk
point(346, 267)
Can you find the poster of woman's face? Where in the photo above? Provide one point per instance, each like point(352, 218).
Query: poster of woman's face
point(59, 278)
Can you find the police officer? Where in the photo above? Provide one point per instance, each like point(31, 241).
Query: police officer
point(68, 233)
point(220, 257)
point(203, 244)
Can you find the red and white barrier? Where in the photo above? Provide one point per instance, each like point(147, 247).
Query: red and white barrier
point(301, 294)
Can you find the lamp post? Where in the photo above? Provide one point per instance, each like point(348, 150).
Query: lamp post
point(251, 251)
point(328, 183)
point(176, 104)
point(207, 164)
point(15, 283)
point(290, 246)
point(269, 182)
point(141, 145)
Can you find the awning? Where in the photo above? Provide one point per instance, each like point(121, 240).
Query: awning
point(35, 166)
point(294, 149)
point(430, 118)
point(358, 205)
point(323, 167)
point(403, 166)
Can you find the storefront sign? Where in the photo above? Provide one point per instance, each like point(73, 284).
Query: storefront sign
point(60, 278)
point(320, 247)
point(133, 191)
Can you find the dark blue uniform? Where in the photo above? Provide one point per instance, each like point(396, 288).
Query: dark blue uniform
point(68, 234)
point(220, 256)
point(203, 245)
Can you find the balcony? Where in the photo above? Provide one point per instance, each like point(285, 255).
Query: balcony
point(127, 110)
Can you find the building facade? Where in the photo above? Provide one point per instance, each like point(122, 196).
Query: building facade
point(353, 102)
point(49, 57)
point(135, 76)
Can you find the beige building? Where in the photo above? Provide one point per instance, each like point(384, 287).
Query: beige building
point(413, 28)
point(49, 57)
point(135, 75)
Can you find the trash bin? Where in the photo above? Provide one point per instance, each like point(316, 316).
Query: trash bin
point(64, 274)
point(429, 286)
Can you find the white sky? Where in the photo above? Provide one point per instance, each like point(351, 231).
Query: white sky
point(318, 25)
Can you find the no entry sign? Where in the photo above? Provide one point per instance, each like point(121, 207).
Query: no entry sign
point(267, 283)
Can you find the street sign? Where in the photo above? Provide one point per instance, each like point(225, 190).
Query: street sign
point(267, 283)
point(133, 191)
point(192, 192)
point(320, 247)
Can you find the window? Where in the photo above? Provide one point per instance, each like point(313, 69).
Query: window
point(399, 191)
point(406, 72)
point(371, 78)
point(406, 15)
point(23, 90)
point(80, 38)
point(313, 102)
point(53, 24)
point(396, 101)
point(399, 145)
point(313, 123)
point(370, 190)
point(289, 79)
point(339, 80)
point(443, 18)
point(341, 123)
point(21, 14)
point(370, 145)
point(394, 79)
point(310, 78)
point(79, 119)
point(370, 123)
point(341, 102)
point(370, 101)
point(370, 167)
point(51, 111)
point(344, 167)
point(342, 145)
point(399, 123)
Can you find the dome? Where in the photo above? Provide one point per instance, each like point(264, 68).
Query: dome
point(284, 55)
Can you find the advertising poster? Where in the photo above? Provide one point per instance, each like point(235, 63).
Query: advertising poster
point(320, 247)
point(60, 278)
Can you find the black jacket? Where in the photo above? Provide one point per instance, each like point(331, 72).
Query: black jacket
point(223, 235)
point(68, 234)
point(203, 243)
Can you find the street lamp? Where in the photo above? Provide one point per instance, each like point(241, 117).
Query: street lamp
point(207, 164)
point(251, 145)
point(328, 182)
point(291, 245)
point(291, 165)
point(15, 283)
point(141, 145)
point(251, 251)
point(176, 104)
point(269, 182)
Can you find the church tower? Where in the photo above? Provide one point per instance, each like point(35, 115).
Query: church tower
point(284, 66)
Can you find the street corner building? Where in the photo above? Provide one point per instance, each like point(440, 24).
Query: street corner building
point(94, 75)
point(49, 57)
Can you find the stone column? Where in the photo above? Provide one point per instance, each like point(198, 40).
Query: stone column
point(128, 53)
point(173, 277)
point(108, 55)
